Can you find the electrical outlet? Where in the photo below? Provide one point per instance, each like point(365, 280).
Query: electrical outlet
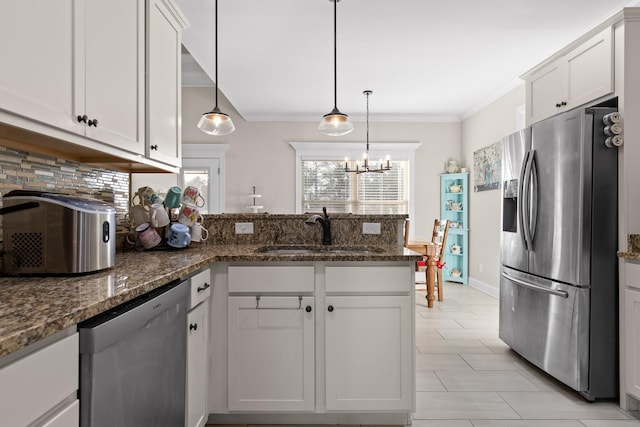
point(244, 228)
point(371, 228)
point(480, 267)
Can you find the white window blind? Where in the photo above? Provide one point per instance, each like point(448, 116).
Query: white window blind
point(325, 183)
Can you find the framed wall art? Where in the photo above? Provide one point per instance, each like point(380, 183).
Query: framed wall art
point(487, 167)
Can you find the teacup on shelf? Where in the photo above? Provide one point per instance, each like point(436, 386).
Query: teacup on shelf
point(455, 188)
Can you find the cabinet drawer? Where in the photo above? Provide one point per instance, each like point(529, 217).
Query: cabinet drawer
point(369, 279)
point(33, 385)
point(632, 273)
point(200, 287)
point(271, 279)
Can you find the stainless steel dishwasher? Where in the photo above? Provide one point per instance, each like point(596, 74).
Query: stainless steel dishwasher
point(133, 362)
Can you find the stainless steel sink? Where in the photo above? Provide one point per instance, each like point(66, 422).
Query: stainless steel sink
point(305, 250)
point(287, 251)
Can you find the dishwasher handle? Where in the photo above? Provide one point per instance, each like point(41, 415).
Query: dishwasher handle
point(535, 287)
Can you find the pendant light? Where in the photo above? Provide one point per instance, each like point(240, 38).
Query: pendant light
point(335, 123)
point(215, 122)
point(366, 165)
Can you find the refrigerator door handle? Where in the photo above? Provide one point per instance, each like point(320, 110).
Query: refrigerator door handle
point(533, 196)
point(526, 201)
point(522, 220)
point(533, 286)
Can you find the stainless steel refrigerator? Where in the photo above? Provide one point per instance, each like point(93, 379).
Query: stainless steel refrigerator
point(558, 283)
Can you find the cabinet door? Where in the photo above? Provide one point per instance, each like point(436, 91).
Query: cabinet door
point(36, 72)
point(163, 84)
point(69, 416)
point(590, 70)
point(369, 353)
point(271, 354)
point(112, 85)
point(632, 356)
point(35, 384)
point(545, 91)
point(197, 329)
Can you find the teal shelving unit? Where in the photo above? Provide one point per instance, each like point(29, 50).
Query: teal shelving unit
point(454, 205)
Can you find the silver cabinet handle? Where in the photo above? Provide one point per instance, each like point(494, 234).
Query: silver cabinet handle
point(299, 307)
point(563, 294)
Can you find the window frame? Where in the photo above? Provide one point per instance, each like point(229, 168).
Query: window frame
point(397, 151)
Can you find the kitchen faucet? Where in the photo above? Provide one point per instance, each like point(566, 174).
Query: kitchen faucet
point(325, 223)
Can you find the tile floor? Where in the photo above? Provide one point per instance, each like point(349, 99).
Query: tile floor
point(467, 377)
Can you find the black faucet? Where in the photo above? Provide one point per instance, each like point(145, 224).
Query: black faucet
point(325, 223)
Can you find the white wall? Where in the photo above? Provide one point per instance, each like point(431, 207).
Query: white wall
point(260, 155)
point(484, 128)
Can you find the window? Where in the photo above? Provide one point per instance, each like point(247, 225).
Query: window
point(321, 180)
point(199, 178)
point(325, 183)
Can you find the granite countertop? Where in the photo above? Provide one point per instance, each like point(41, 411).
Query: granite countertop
point(32, 308)
point(633, 248)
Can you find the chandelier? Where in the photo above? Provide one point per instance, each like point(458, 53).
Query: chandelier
point(366, 164)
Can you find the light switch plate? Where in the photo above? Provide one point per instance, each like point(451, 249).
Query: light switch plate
point(244, 228)
point(371, 228)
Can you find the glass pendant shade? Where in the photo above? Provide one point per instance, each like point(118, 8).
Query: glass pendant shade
point(335, 123)
point(216, 122)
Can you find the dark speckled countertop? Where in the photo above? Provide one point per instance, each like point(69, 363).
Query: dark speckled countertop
point(633, 248)
point(32, 308)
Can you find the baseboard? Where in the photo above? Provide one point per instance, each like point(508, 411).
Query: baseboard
point(492, 291)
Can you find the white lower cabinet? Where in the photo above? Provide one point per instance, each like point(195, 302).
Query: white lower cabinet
point(632, 339)
point(197, 321)
point(271, 354)
point(324, 343)
point(40, 388)
point(368, 351)
point(197, 349)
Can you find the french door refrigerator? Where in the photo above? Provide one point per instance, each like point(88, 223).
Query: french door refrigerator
point(558, 283)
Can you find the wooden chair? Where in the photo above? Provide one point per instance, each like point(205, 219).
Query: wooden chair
point(440, 233)
point(406, 233)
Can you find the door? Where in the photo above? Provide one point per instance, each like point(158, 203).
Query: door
point(356, 328)
point(36, 73)
point(559, 196)
point(545, 91)
point(110, 88)
point(548, 324)
point(632, 356)
point(271, 363)
point(513, 249)
point(197, 332)
point(163, 84)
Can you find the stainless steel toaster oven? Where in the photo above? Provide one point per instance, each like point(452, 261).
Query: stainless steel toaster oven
point(52, 233)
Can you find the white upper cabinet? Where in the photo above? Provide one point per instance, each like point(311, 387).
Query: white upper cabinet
point(164, 29)
point(583, 74)
point(109, 73)
point(35, 76)
point(96, 76)
point(77, 66)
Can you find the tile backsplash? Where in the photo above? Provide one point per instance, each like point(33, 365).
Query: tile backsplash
point(20, 170)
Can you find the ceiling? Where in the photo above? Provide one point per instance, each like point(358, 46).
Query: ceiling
point(424, 60)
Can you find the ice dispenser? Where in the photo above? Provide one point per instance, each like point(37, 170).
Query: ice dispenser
point(510, 205)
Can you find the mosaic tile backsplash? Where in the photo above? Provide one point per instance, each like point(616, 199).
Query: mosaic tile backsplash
point(21, 170)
